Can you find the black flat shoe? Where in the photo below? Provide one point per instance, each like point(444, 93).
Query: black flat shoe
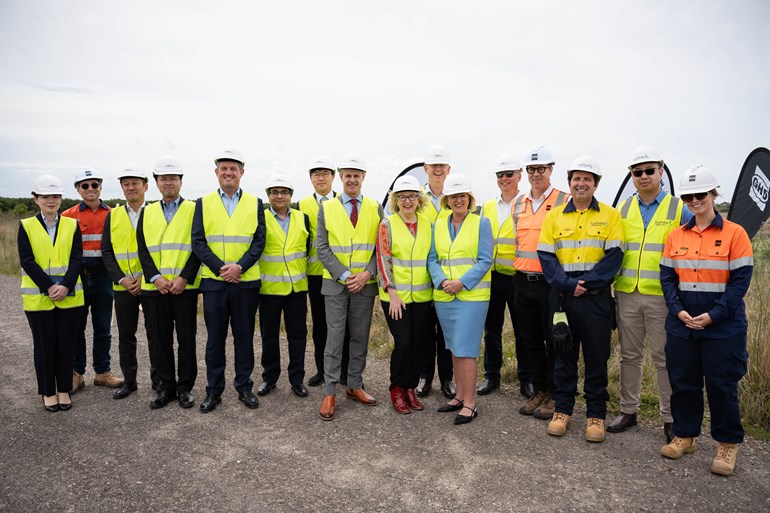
point(449, 407)
point(464, 419)
point(53, 408)
point(66, 406)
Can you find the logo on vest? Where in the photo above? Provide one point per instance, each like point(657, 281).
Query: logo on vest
point(760, 188)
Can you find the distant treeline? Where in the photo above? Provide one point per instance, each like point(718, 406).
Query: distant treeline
point(25, 205)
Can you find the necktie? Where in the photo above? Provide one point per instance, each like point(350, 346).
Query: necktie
point(354, 212)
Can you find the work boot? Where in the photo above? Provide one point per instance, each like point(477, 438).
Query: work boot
point(724, 461)
point(595, 430)
point(397, 398)
point(546, 409)
point(534, 401)
point(678, 448)
point(559, 424)
point(107, 379)
point(78, 383)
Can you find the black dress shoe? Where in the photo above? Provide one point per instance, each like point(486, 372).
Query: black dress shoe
point(210, 403)
point(124, 390)
point(265, 388)
point(186, 399)
point(249, 399)
point(464, 419)
point(299, 389)
point(316, 380)
point(449, 407)
point(162, 399)
point(423, 388)
point(527, 389)
point(487, 386)
point(622, 422)
point(668, 430)
point(448, 389)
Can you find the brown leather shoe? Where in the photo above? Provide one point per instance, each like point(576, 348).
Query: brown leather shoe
point(78, 383)
point(622, 422)
point(361, 396)
point(327, 407)
point(411, 400)
point(534, 402)
point(397, 398)
point(107, 379)
point(546, 409)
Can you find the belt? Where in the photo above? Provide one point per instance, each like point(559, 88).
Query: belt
point(597, 292)
point(88, 271)
point(531, 276)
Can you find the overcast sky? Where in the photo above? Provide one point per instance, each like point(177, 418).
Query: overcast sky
point(104, 83)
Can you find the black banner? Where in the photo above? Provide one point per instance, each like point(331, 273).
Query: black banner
point(749, 207)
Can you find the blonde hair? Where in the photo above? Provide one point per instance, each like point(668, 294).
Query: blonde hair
point(422, 201)
point(444, 202)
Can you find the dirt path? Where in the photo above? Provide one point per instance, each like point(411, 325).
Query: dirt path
point(107, 455)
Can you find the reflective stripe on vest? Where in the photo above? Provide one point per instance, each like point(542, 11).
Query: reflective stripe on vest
point(169, 244)
point(230, 237)
point(527, 229)
point(505, 242)
point(123, 240)
point(411, 278)
point(352, 247)
point(643, 248)
point(283, 264)
point(309, 206)
point(53, 259)
point(456, 257)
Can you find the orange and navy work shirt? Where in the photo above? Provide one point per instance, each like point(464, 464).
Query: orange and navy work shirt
point(91, 223)
point(707, 271)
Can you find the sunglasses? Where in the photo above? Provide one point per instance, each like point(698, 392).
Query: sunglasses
point(92, 185)
point(638, 172)
point(507, 174)
point(540, 170)
point(700, 196)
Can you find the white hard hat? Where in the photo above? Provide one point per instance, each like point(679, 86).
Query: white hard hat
point(644, 154)
point(168, 165)
point(279, 180)
point(437, 155)
point(229, 154)
point(506, 163)
point(132, 171)
point(353, 161)
point(539, 156)
point(47, 184)
point(456, 183)
point(698, 179)
point(87, 173)
point(406, 183)
point(585, 163)
point(322, 162)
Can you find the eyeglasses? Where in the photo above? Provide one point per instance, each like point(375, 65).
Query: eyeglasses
point(506, 174)
point(638, 172)
point(539, 169)
point(700, 196)
point(320, 172)
point(405, 197)
point(93, 185)
point(274, 192)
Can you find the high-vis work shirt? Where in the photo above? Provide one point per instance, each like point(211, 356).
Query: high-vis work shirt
point(527, 227)
point(91, 224)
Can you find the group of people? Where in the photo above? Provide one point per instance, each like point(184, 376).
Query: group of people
point(670, 273)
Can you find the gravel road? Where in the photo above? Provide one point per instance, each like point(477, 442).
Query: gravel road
point(115, 456)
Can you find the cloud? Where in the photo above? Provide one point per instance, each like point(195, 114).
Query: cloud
point(51, 88)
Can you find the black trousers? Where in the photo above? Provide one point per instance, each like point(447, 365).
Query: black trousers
point(127, 317)
point(502, 295)
point(534, 322)
point(434, 351)
point(408, 333)
point(53, 339)
point(163, 314)
point(318, 314)
point(294, 309)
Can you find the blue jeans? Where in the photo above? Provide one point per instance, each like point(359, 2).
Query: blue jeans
point(97, 289)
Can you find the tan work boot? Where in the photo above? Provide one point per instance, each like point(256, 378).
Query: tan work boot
point(107, 379)
point(534, 401)
point(559, 424)
point(78, 383)
point(678, 448)
point(546, 409)
point(724, 461)
point(595, 430)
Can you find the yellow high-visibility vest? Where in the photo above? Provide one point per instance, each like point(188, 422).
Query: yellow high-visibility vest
point(309, 206)
point(409, 253)
point(54, 259)
point(283, 264)
point(123, 240)
point(505, 239)
point(353, 247)
point(643, 249)
point(169, 245)
point(458, 256)
point(230, 237)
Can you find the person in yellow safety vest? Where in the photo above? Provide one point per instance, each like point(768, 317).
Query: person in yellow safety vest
point(283, 267)
point(229, 236)
point(499, 211)
point(119, 252)
point(459, 262)
point(321, 177)
point(581, 249)
point(648, 217)
point(50, 253)
point(170, 286)
point(406, 291)
point(434, 352)
point(530, 297)
point(346, 237)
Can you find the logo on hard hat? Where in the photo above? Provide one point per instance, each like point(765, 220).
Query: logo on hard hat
point(534, 156)
point(692, 178)
point(88, 173)
point(760, 188)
